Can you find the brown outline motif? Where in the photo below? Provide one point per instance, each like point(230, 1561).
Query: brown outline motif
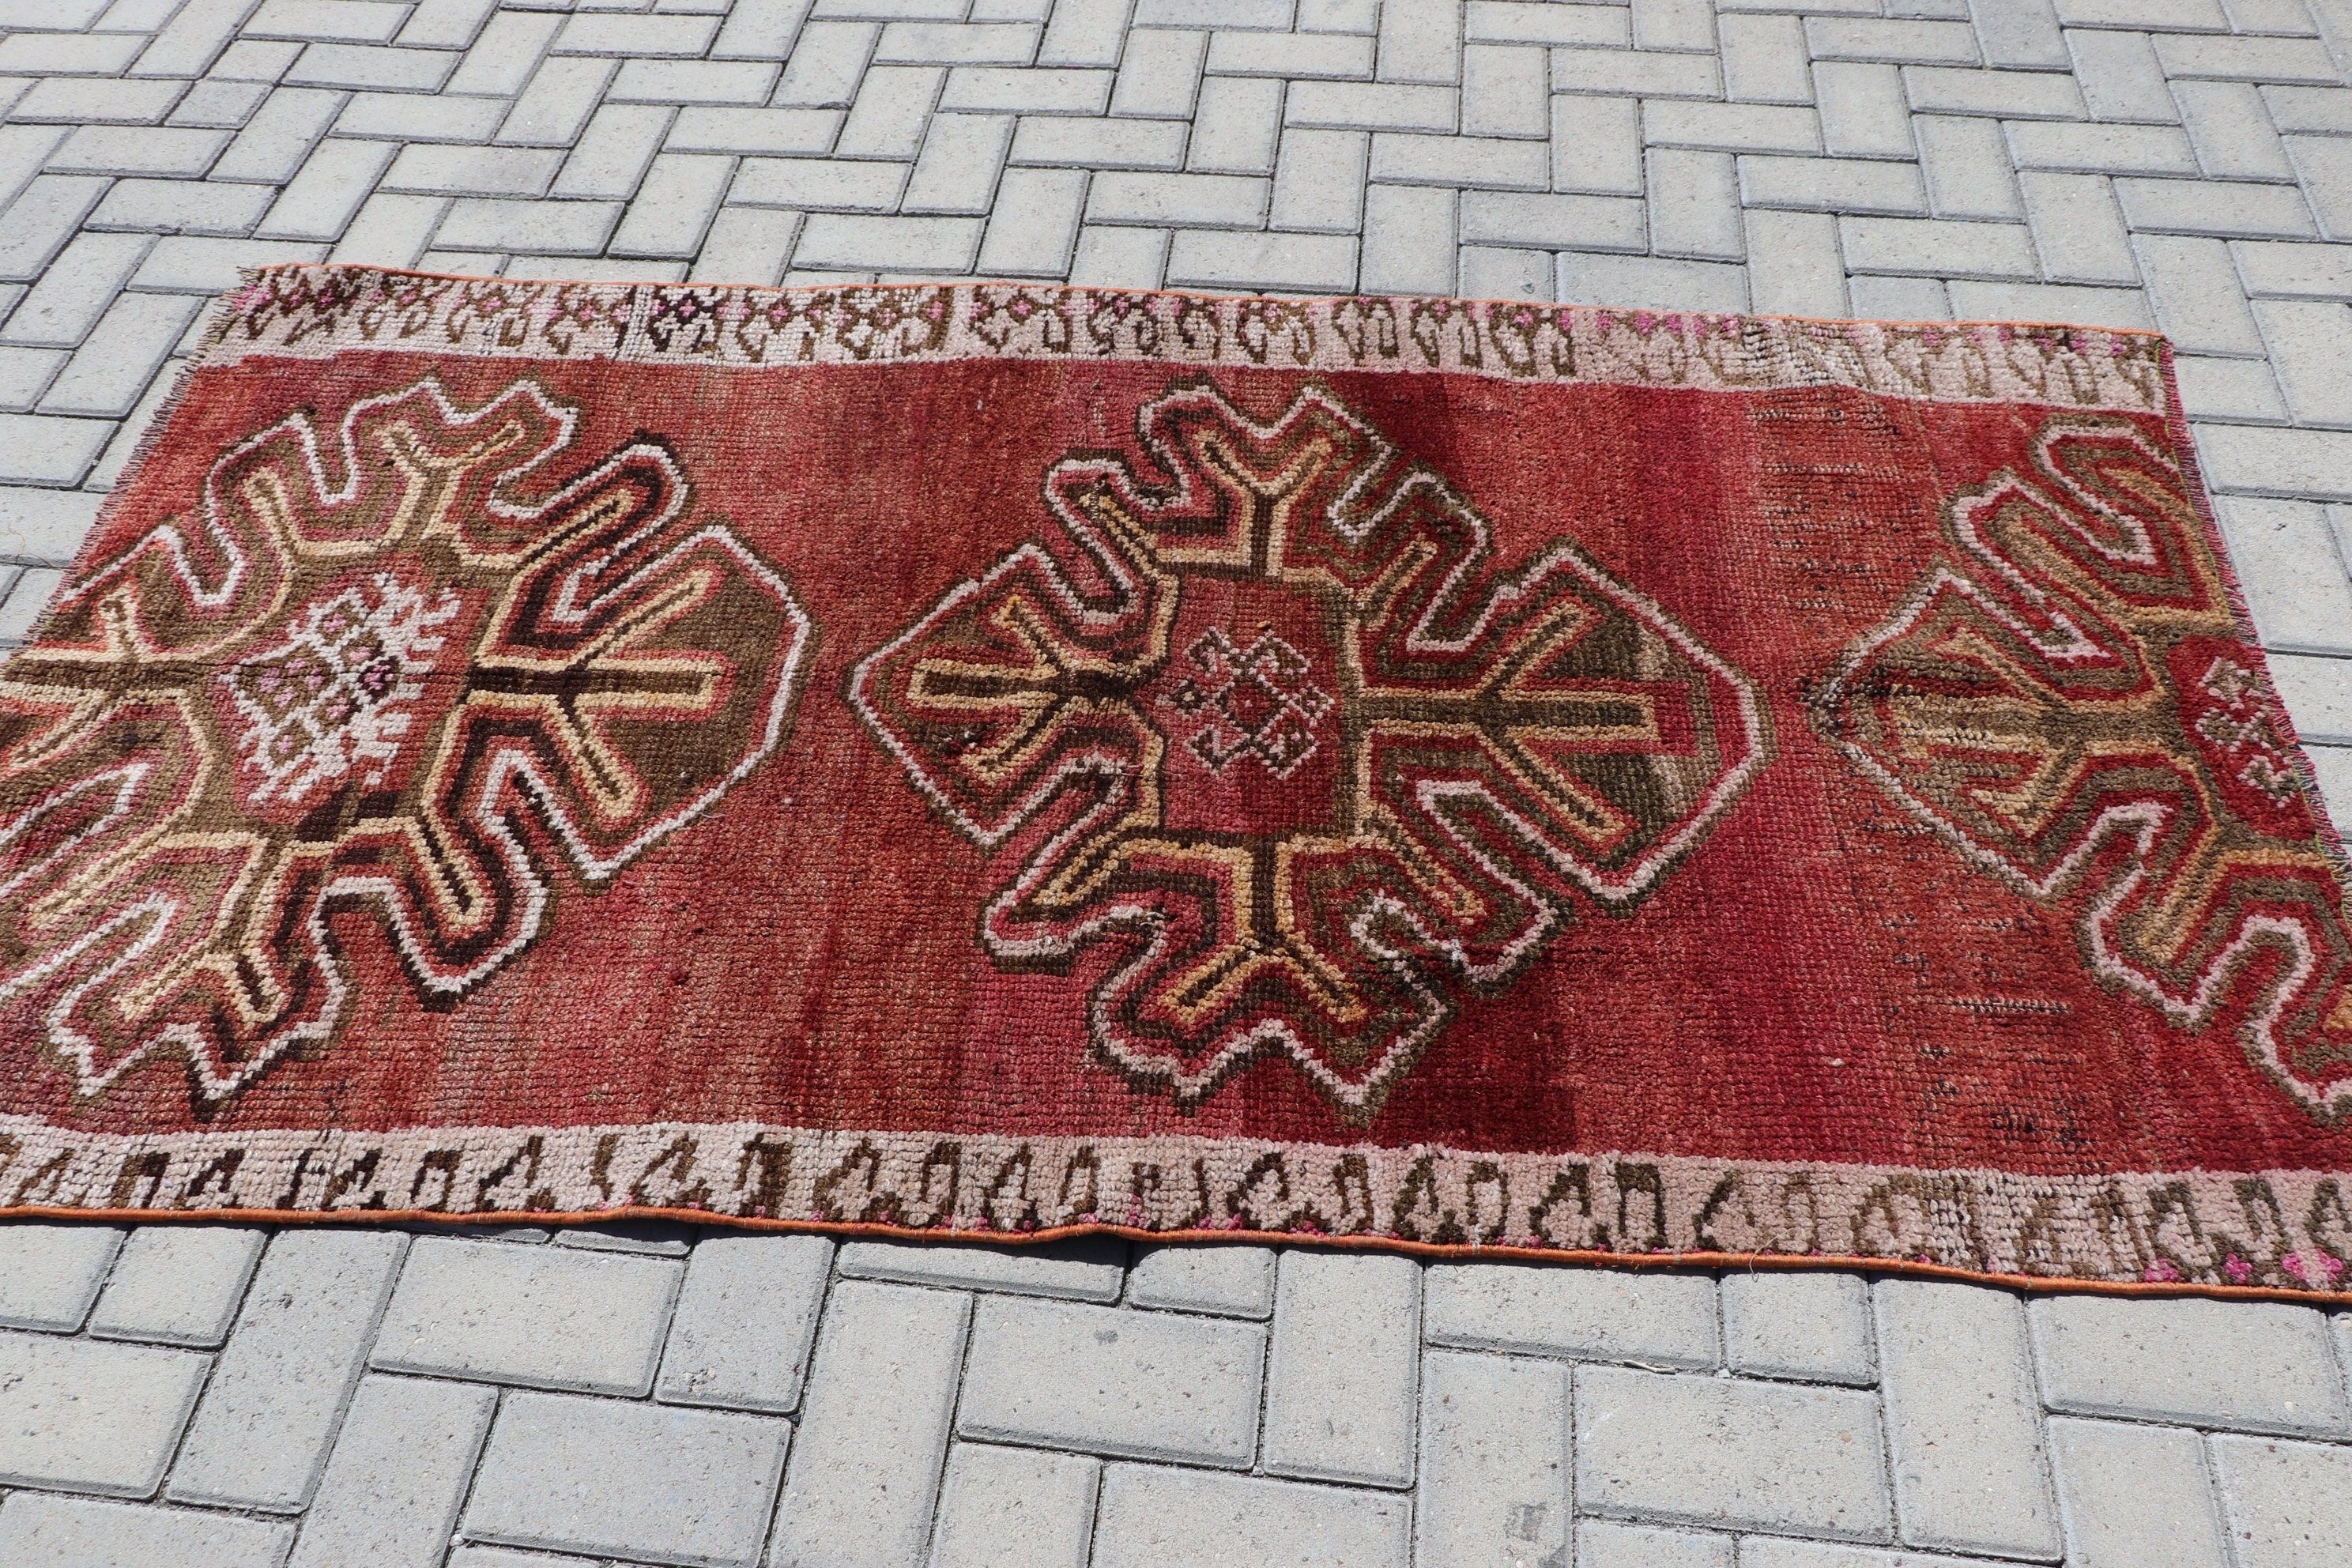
point(1504, 747)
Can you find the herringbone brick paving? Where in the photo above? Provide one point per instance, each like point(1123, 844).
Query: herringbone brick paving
point(220, 1399)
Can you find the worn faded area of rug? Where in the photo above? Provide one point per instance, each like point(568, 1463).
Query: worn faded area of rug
point(1001, 758)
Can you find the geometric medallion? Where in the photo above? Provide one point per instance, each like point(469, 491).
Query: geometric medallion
point(401, 669)
point(1270, 739)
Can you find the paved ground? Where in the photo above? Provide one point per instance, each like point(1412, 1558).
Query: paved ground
point(211, 1398)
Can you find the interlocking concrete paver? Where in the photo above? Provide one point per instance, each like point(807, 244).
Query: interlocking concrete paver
point(873, 1428)
point(269, 1412)
point(612, 1478)
point(540, 1317)
point(745, 1320)
point(1228, 1282)
point(1809, 1327)
point(2132, 1494)
point(398, 1474)
point(2286, 1505)
point(1658, 1319)
point(1495, 1479)
point(1602, 1544)
point(48, 1531)
point(994, 1498)
point(87, 1417)
point(2248, 1366)
point(49, 1274)
point(1963, 1426)
point(1340, 1375)
point(1154, 1518)
point(1730, 1453)
point(1102, 1381)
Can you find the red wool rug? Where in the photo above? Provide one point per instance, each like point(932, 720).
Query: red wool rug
point(1004, 759)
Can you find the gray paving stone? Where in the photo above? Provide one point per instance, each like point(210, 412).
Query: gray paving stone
point(1520, 21)
point(177, 1284)
point(2289, 1505)
point(1408, 240)
point(546, 227)
point(1768, 1552)
point(48, 525)
point(1963, 1427)
point(2231, 130)
point(1101, 1381)
point(2325, 166)
point(27, 596)
point(2250, 1366)
point(2302, 336)
point(1154, 1518)
point(1646, 74)
point(90, 1416)
point(60, 310)
point(1340, 1376)
point(873, 1430)
point(746, 245)
point(40, 222)
point(2053, 302)
point(391, 230)
point(398, 1474)
point(1160, 74)
point(1808, 1326)
point(1596, 145)
point(23, 372)
point(182, 207)
point(2248, 59)
point(1552, 222)
point(2276, 462)
point(1236, 127)
point(278, 1390)
point(320, 202)
point(1495, 1477)
point(1016, 90)
point(993, 1497)
point(2229, 208)
point(2119, 76)
point(1730, 1453)
point(37, 1531)
point(1366, 106)
point(745, 1320)
point(538, 1317)
point(2078, 229)
point(1764, 58)
point(735, 129)
point(1727, 127)
point(2010, 94)
point(1966, 167)
point(222, 105)
point(1318, 183)
point(70, 100)
point(1506, 91)
point(609, 1477)
point(49, 1274)
point(611, 155)
point(819, 183)
point(553, 107)
point(109, 373)
point(1120, 257)
point(1600, 1544)
point(693, 81)
point(1654, 1319)
point(2274, 544)
point(1302, 263)
point(1234, 1281)
point(1832, 185)
point(1170, 201)
point(2229, 389)
point(1934, 248)
point(1863, 110)
point(138, 149)
point(368, 65)
point(675, 206)
point(1036, 226)
point(473, 171)
point(2294, 267)
point(1640, 282)
point(37, 451)
point(1693, 204)
point(2132, 1494)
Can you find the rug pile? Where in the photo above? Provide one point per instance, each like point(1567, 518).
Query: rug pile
point(1003, 759)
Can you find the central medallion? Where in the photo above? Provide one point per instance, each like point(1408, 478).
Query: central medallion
point(1271, 740)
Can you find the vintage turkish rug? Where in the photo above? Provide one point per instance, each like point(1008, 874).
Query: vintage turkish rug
point(995, 758)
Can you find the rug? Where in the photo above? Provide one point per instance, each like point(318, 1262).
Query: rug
point(1013, 759)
